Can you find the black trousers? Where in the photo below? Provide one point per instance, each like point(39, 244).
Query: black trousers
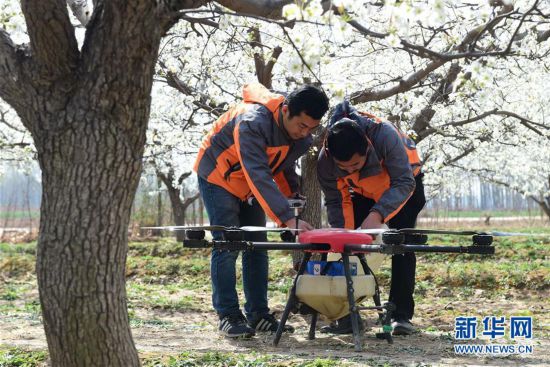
point(403, 267)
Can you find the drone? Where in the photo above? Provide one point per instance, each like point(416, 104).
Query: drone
point(336, 296)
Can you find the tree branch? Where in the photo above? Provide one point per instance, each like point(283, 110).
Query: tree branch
point(263, 8)
point(204, 103)
point(52, 38)
point(188, 201)
point(405, 84)
point(10, 71)
point(264, 70)
point(525, 122)
point(4, 121)
point(422, 120)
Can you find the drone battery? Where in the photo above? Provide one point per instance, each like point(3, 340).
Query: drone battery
point(331, 268)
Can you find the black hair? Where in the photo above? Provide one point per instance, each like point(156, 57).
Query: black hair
point(344, 139)
point(309, 99)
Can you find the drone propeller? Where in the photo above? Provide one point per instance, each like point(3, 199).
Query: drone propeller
point(375, 231)
point(268, 229)
point(519, 234)
point(469, 233)
point(224, 228)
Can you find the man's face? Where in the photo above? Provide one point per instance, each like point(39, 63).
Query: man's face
point(300, 126)
point(356, 162)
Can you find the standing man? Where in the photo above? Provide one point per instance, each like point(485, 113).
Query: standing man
point(370, 175)
point(246, 169)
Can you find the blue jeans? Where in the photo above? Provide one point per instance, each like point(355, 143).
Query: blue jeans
point(225, 209)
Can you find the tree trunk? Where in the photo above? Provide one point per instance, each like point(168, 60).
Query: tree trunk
point(87, 111)
point(178, 210)
point(89, 175)
point(311, 189)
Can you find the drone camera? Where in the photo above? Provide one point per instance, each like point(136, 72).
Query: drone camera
point(195, 234)
point(482, 240)
point(416, 239)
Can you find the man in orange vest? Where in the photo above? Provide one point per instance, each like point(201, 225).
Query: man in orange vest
point(246, 169)
point(370, 175)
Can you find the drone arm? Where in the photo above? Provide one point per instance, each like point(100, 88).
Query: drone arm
point(401, 249)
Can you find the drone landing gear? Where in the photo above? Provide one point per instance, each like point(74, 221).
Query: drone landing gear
point(384, 311)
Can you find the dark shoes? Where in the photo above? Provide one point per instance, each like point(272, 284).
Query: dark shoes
point(268, 323)
point(341, 326)
point(403, 327)
point(235, 326)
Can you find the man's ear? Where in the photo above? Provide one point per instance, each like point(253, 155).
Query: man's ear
point(284, 108)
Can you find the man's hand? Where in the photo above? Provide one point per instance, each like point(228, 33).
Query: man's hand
point(372, 221)
point(303, 225)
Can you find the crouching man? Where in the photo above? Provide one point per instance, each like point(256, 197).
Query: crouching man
point(370, 175)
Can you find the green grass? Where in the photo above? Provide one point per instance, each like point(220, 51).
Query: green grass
point(15, 357)
point(164, 296)
point(19, 214)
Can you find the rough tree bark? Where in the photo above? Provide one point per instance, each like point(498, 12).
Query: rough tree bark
point(311, 189)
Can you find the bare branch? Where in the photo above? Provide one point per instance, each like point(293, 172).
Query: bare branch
point(183, 176)
point(451, 161)
point(327, 4)
point(507, 11)
point(525, 122)
point(206, 21)
point(52, 38)
point(263, 8)
point(4, 121)
point(188, 201)
point(264, 70)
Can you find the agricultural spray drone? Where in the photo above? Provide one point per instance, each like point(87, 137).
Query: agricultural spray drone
point(316, 292)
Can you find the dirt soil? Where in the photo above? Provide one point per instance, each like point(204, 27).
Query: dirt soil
point(162, 332)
